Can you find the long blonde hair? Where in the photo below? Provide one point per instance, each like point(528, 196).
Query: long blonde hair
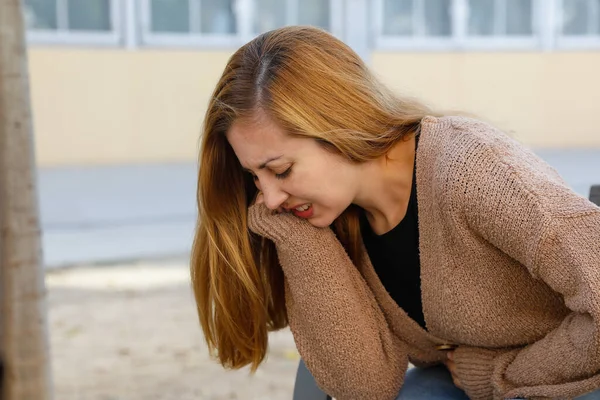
point(314, 86)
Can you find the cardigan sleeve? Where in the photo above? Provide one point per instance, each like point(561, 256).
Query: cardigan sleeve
point(339, 329)
point(519, 204)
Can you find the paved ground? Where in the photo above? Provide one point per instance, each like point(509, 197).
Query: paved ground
point(103, 214)
point(130, 332)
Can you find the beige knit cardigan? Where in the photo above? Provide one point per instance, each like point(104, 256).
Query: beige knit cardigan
point(510, 273)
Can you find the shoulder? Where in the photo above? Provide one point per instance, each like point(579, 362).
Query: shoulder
point(465, 143)
point(478, 161)
point(463, 134)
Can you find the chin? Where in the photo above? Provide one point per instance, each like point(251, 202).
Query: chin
point(321, 222)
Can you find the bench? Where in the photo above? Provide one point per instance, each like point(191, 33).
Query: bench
point(306, 388)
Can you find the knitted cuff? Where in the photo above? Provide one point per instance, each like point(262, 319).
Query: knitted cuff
point(263, 222)
point(474, 368)
point(281, 228)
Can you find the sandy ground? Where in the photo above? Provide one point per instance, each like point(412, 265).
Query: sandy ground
point(131, 332)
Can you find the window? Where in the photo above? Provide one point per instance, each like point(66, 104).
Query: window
point(500, 18)
point(192, 22)
point(394, 24)
point(456, 24)
point(72, 21)
point(229, 23)
point(272, 14)
point(581, 18)
point(417, 18)
point(579, 24)
point(193, 16)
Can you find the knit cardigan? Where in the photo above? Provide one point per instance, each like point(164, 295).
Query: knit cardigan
point(510, 274)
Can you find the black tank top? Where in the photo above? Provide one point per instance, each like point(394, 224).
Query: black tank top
point(395, 257)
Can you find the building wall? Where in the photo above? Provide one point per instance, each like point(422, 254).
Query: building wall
point(110, 106)
point(542, 99)
point(113, 106)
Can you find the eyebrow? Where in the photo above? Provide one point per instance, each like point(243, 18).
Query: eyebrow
point(264, 164)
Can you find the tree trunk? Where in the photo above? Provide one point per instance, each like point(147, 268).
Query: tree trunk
point(24, 347)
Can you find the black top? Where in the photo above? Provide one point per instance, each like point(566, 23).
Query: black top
point(395, 257)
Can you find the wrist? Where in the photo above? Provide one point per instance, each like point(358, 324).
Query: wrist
point(282, 228)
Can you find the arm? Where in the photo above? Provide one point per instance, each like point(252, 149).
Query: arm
point(339, 329)
point(522, 207)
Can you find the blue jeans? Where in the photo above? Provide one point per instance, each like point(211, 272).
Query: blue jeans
point(435, 383)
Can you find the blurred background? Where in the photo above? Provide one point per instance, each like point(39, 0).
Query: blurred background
point(119, 89)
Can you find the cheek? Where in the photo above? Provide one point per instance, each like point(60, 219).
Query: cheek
point(331, 185)
point(326, 184)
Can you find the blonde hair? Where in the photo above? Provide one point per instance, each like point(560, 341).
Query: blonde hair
point(312, 85)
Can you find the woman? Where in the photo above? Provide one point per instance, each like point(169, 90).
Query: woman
point(384, 233)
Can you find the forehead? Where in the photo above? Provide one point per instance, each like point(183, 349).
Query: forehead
point(255, 142)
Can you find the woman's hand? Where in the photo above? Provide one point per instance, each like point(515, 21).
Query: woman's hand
point(452, 368)
point(260, 198)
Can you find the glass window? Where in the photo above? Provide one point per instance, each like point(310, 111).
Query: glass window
point(77, 15)
point(89, 15)
point(500, 17)
point(40, 14)
point(315, 13)
point(438, 18)
point(217, 21)
point(417, 17)
point(481, 17)
point(398, 17)
point(170, 16)
point(519, 17)
point(269, 15)
point(579, 18)
point(217, 16)
point(595, 26)
point(272, 14)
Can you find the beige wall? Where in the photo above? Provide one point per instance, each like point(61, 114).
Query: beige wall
point(542, 99)
point(106, 106)
point(117, 106)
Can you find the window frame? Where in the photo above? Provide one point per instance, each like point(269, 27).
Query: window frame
point(188, 39)
point(459, 39)
point(590, 41)
point(244, 10)
point(63, 36)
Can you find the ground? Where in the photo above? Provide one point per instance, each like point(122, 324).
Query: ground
point(130, 332)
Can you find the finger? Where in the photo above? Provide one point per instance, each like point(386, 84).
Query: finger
point(260, 198)
point(452, 369)
point(456, 382)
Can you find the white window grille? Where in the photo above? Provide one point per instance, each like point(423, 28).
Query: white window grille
point(458, 24)
point(579, 24)
point(229, 23)
point(89, 22)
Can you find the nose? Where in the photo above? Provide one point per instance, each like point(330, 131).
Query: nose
point(274, 197)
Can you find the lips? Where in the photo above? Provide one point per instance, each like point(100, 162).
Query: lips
point(303, 211)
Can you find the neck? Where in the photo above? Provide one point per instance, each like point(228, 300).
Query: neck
point(386, 185)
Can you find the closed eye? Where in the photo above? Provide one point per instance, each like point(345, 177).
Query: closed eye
point(284, 174)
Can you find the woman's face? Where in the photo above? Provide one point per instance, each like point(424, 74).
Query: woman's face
point(295, 174)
